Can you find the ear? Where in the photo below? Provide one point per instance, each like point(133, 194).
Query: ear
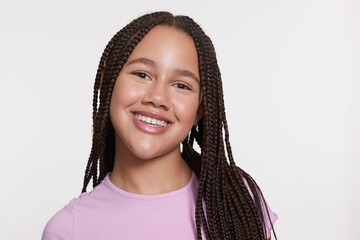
point(102, 75)
point(199, 113)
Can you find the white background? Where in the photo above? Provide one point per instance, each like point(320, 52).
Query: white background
point(291, 82)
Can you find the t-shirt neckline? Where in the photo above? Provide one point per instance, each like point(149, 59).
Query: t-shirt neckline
point(124, 193)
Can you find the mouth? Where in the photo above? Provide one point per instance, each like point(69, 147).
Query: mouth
point(151, 123)
point(151, 119)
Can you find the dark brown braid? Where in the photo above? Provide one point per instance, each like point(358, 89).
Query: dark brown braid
point(231, 212)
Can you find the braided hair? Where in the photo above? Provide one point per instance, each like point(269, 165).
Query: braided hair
point(232, 212)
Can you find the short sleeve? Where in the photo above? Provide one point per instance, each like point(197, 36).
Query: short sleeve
point(273, 216)
point(268, 222)
point(60, 226)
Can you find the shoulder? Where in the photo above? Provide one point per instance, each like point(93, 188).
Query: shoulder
point(61, 225)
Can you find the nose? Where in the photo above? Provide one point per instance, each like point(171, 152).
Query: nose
point(157, 96)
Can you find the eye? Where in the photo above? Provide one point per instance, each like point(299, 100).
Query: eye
point(141, 75)
point(181, 86)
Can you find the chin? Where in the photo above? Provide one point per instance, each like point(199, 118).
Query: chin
point(150, 151)
point(146, 155)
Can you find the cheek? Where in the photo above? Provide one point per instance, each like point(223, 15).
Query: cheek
point(125, 93)
point(186, 109)
point(123, 96)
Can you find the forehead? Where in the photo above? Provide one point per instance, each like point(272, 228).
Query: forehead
point(168, 46)
point(167, 35)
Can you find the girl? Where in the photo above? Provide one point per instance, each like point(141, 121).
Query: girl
point(157, 90)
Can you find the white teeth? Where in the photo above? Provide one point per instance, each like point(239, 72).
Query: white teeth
point(151, 120)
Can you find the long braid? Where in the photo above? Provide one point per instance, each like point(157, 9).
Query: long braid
point(206, 73)
point(187, 25)
point(225, 208)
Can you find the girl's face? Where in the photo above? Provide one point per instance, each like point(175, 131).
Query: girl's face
point(156, 95)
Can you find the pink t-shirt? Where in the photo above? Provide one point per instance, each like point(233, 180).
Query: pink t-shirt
point(108, 212)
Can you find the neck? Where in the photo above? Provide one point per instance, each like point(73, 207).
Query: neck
point(162, 174)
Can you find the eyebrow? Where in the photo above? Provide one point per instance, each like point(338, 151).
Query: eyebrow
point(144, 61)
point(187, 73)
point(151, 63)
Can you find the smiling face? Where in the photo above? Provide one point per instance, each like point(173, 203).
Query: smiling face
point(156, 95)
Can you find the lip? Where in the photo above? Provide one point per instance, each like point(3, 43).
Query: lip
point(147, 128)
